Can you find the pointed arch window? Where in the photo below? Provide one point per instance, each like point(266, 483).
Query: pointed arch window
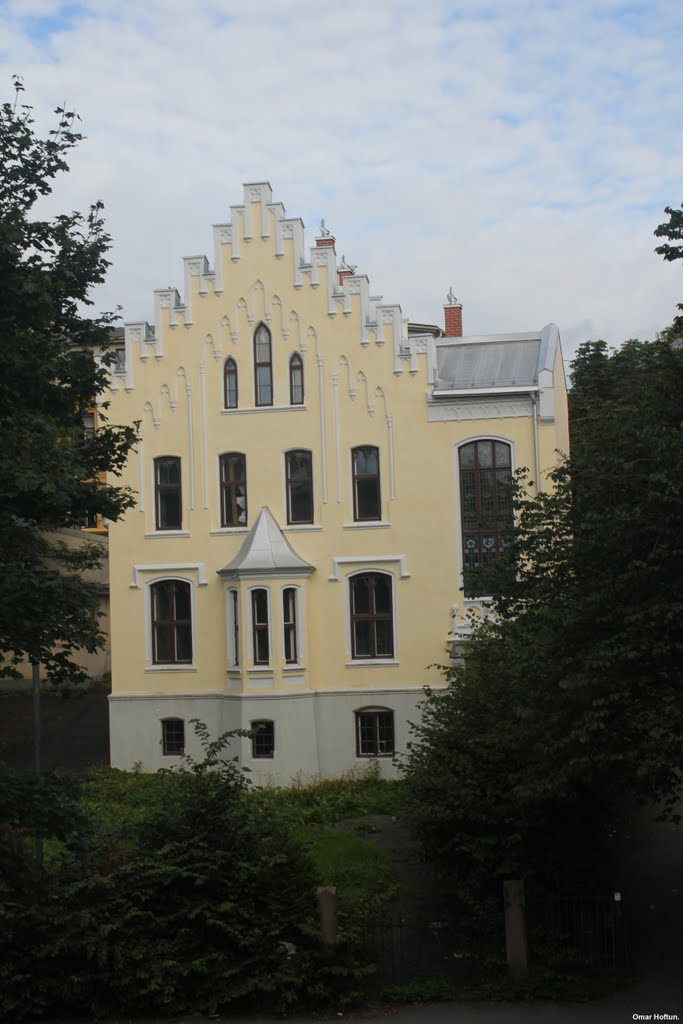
point(230, 384)
point(486, 506)
point(296, 380)
point(263, 366)
point(233, 489)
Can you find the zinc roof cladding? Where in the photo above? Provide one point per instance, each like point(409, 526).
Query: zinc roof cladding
point(265, 551)
point(508, 362)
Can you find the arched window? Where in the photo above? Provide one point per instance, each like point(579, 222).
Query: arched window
point(486, 504)
point(374, 732)
point(171, 622)
point(263, 738)
point(299, 477)
point(233, 489)
point(296, 380)
point(372, 616)
point(289, 625)
point(263, 366)
point(167, 493)
point(173, 735)
point(230, 384)
point(367, 501)
point(260, 626)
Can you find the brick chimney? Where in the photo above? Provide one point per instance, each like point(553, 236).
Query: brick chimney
point(452, 315)
point(345, 270)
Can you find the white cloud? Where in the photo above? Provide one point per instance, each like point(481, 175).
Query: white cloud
point(522, 151)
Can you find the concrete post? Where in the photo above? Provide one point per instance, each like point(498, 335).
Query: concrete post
point(515, 928)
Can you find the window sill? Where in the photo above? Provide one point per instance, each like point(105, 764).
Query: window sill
point(374, 757)
point(158, 534)
point(369, 524)
point(263, 408)
point(300, 527)
point(363, 662)
point(260, 669)
point(293, 667)
point(171, 668)
point(225, 531)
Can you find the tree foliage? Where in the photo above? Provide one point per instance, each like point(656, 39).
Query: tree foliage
point(673, 230)
point(51, 470)
point(572, 695)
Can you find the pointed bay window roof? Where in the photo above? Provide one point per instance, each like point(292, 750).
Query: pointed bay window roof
point(266, 552)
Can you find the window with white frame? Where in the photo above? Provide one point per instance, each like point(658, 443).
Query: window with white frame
point(233, 469)
point(171, 618)
point(290, 625)
point(260, 626)
point(230, 383)
point(486, 506)
point(299, 481)
point(371, 615)
point(263, 738)
point(296, 380)
point(167, 493)
point(367, 501)
point(233, 612)
point(374, 732)
point(263, 366)
point(173, 736)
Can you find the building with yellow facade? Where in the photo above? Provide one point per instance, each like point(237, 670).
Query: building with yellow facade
point(313, 473)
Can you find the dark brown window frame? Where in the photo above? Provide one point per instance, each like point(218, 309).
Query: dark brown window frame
point(228, 487)
point(260, 628)
point(168, 741)
point(375, 714)
point(290, 481)
point(230, 371)
point(296, 363)
point(290, 625)
point(263, 730)
point(495, 530)
point(263, 363)
point(234, 599)
point(372, 616)
point(359, 477)
point(174, 622)
point(161, 489)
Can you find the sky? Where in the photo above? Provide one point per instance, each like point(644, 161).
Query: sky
point(519, 151)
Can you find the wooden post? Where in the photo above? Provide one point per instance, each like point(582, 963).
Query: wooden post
point(327, 903)
point(515, 928)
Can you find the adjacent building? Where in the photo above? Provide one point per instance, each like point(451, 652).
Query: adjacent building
point(313, 474)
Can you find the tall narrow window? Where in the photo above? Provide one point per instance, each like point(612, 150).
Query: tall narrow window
point(230, 384)
point(296, 380)
point(168, 498)
point(372, 617)
point(260, 626)
point(299, 472)
point(263, 366)
point(486, 501)
point(366, 490)
point(233, 627)
point(263, 738)
point(173, 735)
point(171, 622)
point(375, 732)
point(233, 489)
point(289, 625)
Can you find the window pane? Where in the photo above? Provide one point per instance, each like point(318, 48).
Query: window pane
point(262, 651)
point(169, 510)
point(502, 454)
point(173, 735)
point(485, 453)
point(162, 602)
point(383, 594)
point(183, 603)
point(184, 643)
point(263, 740)
point(301, 503)
point(262, 346)
point(362, 644)
point(299, 465)
point(486, 499)
point(360, 589)
point(367, 499)
point(263, 385)
point(260, 605)
point(383, 638)
point(467, 456)
point(164, 646)
point(168, 470)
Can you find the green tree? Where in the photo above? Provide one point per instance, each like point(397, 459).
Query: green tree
point(673, 230)
point(51, 470)
point(572, 695)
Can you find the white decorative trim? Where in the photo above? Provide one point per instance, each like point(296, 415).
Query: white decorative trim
point(164, 570)
point(157, 534)
point(381, 525)
point(264, 408)
point(303, 528)
point(323, 433)
point(290, 679)
point(171, 668)
point(337, 443)
point(226, 531)
point(392, 471)
point(363, 662)
point(444, 410)
point(141, 471)
point(368, 560)
point(202, 398)
point(265, 683)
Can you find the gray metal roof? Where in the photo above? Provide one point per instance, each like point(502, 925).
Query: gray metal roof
point(499, 362)
point(265, 552)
